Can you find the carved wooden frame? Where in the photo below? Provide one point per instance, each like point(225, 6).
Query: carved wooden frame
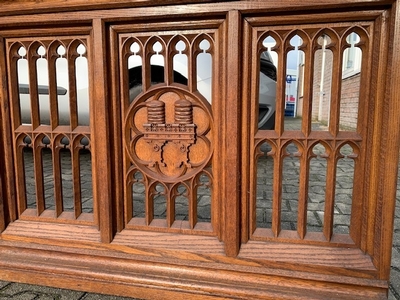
point(228, 257)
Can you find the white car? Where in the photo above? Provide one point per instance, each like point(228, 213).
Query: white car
point(267, 87)
point(267, 92)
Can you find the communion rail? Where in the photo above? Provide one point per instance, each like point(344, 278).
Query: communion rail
point(132, 163)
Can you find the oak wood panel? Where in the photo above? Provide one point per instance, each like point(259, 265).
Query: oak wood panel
point(9, 207)
point(154, 172)
point(134, 277)
point(169, 252)
point(33, 135)
point(196, 10)
point(375, 131)
point(168, 243)
point(10, 7)
point(390, 150)
point(232, 157)
point(100, 126)
point(169, 261)
point(31, 6)
point(2, 203)
point(42, 230)
point(169, 246)
point(299, 254)
point(305, 135)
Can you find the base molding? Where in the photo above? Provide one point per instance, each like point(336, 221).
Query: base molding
point(159, 274)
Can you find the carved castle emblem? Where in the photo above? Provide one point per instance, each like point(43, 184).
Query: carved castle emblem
point(168, 134)
point(182, 132)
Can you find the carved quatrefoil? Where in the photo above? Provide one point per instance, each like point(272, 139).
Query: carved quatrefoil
point(168, 133)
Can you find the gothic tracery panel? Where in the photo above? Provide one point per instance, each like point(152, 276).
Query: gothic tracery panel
point(322, 209)
point(167, 129)
point(50, 118)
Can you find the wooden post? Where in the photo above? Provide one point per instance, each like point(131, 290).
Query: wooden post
point(101, 129)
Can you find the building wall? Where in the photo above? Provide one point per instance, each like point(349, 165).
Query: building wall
point(349, 102)
point(321, 97)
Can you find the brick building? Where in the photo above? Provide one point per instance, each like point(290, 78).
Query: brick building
point(322, 83)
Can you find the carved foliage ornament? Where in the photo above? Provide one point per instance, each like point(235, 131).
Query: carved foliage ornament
point(168, 133)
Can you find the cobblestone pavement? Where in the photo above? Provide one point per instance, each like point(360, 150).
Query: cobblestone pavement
point(345, 168)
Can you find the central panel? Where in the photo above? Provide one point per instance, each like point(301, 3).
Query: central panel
point(166, 129)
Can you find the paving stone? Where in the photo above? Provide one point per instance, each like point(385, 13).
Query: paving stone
point(341, 229)
point(264, 203)
point(339, 219)
point(397, 210)
point(319, 181)
point(317, 189)
point(395, 282)
point(344, 195)
point(396, 237)
point(288, 188)
point(104, 297)
point(264, 192)
point(29, 292)
point(290, 196)
point(138, 188)
point(391, 296)
point(288, 226)
point(313, 219)
point(343, 208)
point(316, 198)
point(204, 201)
point(321, 216)
point(260, 217)
point(288, 216)
point(396, 259)
point(182, 217)
point(396, 224)
point(319, 206)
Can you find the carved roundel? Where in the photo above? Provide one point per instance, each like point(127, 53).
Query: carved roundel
point(168, 133)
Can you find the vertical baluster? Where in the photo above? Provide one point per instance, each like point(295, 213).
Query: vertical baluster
point(129, 182)
point(277, 190)
point(280, 84)
point(309, 46)
point(303, 191)
point(76, 178)
point(169, 62)
point(330, 194)
point(57, 146)
point(146, 68)
point(22, 143)
point(51, 60)
point(149, 204)
point(38, 171)
point(192, 198)
point(192, 67)
point(171, 196)
point(73, 109)
point(33, 84)
point(14, 57)
point(337, 48)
